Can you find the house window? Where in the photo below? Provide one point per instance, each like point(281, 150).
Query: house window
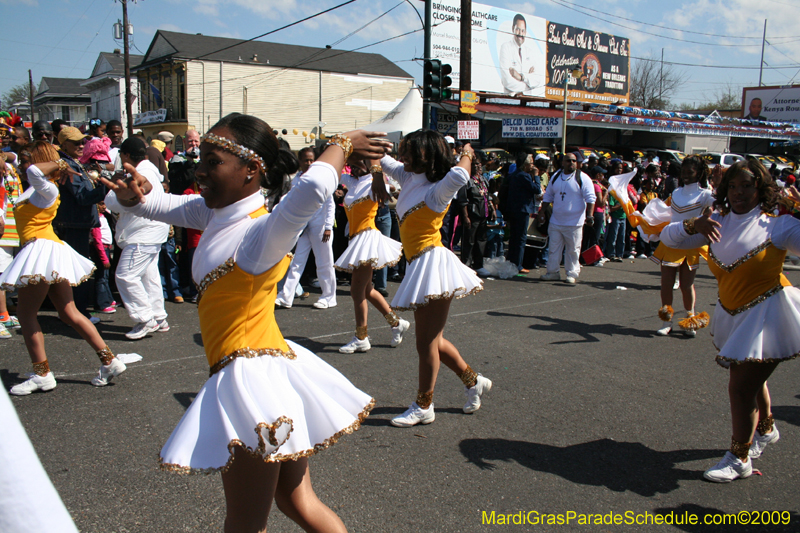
point(65, 113)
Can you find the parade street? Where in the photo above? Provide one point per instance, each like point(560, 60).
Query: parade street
point(590, 414)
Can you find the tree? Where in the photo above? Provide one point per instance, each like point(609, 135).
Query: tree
point(728, 98)
point(653, 83)
point(17, 93)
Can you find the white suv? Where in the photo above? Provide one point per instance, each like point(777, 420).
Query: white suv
point(715, 158)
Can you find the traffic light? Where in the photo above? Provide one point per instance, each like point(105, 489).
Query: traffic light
point(436, 86)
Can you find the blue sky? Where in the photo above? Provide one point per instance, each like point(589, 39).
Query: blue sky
point(62, 38)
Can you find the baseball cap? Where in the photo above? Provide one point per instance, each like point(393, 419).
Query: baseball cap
point(598, 169)
point(134, 147)
point(70, 133)
point(165, 136)
point(449, 139)
point(539, 157)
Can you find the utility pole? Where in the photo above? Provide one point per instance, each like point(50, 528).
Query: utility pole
point(761, 65)
point(128, 95)
point(465, 67)
point(661, 81)
point(426, 106)
point(30, 93)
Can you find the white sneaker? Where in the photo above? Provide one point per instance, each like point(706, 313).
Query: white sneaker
point(108, 372)
point(666, 328)
point(414, 415)
point(630, 256)
point(142, 328)
point(399, 331)
point(280, 302)
point(551, 276)
point(602, 261)
point(690, 333)
point(315, 284)
point(356, 345)
point(730, 468)
point(34, 383)
point(760, 442)
point(163, 325)
point(482, 272)
point(641, 256)
point(322, 304)
point(94, 319)
point(474, 394)
point(571, 280)
point(4, 334)
point(676, 285)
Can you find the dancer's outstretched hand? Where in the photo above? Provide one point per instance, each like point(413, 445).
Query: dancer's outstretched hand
point(707, 227)
point(131, 188)
point(369, 144)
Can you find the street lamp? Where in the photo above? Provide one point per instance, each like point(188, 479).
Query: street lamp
point(576, 73)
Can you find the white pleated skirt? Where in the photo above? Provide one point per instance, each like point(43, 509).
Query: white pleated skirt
point(278, 409)
point(435, 275)
point(46, 261)
point(768, 332)
point(370, 247)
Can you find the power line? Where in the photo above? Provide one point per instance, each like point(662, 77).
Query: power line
point(668, 27)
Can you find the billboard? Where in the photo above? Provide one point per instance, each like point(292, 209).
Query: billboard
point(522, 55)
point(772, 104)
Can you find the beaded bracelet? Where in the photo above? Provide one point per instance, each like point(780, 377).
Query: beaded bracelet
point(342, 142)
point(376, 169)
point(471, 155)
point(688, 226)
point(62, 165)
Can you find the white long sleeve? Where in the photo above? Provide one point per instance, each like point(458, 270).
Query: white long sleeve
point(43, 191)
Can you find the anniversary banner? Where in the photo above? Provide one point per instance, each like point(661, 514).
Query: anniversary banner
point(603, 59)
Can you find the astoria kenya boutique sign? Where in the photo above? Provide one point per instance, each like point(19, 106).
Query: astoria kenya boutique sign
point(518, 54)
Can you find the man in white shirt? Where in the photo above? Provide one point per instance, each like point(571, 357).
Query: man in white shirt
point(317, 236)
point(518, 62)
point(572, 194)
point(138, 279)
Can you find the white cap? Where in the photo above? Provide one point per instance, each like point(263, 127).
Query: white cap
point(540, 156)
point(449, 139)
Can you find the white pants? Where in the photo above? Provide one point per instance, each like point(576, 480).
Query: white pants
point(311, 239)
point(565, 239)
point(139, 282)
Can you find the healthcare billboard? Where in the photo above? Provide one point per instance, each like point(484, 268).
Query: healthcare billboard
point(522, 55)
point(772, 104)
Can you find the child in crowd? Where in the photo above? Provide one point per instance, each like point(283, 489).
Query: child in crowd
point(494, 232)
point(102, 247)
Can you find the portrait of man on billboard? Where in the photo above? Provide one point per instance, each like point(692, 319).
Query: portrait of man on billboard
point(756, 105)
point(522, 65)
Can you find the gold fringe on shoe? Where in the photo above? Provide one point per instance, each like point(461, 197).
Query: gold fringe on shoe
point(361, 332)
point(740, 449)
point(392, 319)
point(666, 313)
point(424, 399)
point(106, 356)
point(41, 369)
point(469, 377)
point(765, 426)
point(695, 322)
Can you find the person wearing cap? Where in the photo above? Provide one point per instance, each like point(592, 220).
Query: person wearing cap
point(166, 137)
point(77, 214)
point(138, 278)
point(601, 193)
point(572, 195)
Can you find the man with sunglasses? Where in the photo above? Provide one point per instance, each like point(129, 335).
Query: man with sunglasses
point(77, 214)
point(42, 131)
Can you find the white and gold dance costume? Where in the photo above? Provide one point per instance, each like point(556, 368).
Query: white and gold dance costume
point(368, 246)
point(758, 314)
point(433, 271)
point(685, 202)
point(43, 258)
point(273, 397)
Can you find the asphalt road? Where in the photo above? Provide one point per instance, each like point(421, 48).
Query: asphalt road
point(590, 413)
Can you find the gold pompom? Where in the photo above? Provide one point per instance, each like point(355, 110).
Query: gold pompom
point(695, 322)
point(665, 313)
